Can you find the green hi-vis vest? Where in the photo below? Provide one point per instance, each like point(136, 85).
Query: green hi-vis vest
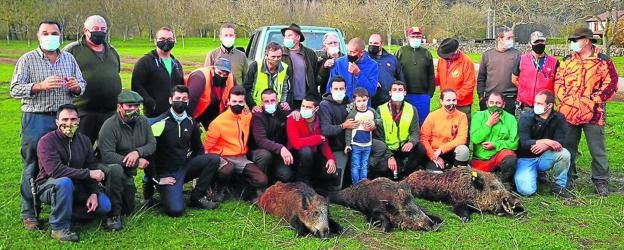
point(262, 82)
point(395, 137)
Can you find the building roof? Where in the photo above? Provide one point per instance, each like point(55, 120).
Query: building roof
point(603, 16)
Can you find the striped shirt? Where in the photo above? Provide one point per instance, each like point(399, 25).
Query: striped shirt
point(34, 67)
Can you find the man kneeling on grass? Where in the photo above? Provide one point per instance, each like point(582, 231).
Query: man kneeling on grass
point(68, 175)
point(180, 157)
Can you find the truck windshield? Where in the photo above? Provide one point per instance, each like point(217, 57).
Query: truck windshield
point(313, 40)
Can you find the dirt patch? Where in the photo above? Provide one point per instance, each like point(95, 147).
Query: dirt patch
point(8, 60)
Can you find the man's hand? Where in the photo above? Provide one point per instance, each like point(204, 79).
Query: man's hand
point(488, 145)
point(256, 109)
point(437, 154)
point(347, 150)
point(554, 145)
point(439, 162)
point(295, 115)
point(494, 118)
point(285, 106)
point(52, 82)
point(323, 138)
point(97, 175)
point(392, 164)
point(166, 181)
point(72, 84)
point(329, 63)
point(143, 163)
point(92, 203)
point(407, 147)
point(354, 69)
point(350, 124)
point(331, 166)
point(286, 156)
point(539, 148)
point(131, 158)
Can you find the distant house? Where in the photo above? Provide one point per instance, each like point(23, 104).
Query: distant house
point(594, 23)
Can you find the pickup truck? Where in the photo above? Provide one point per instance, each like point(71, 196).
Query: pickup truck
point(313, 39)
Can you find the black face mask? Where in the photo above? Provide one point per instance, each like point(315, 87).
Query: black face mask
point(165, 45)
point(218, 80)
point(179, 106)
point(352, 58)
point(538, 48)
point(97, 37)
point(373, 49)
point(237, 109)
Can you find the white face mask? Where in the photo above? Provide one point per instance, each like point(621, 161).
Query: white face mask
point(270, 108)
point(397, 96)
point(333, 50)
point(509, 44)
point(228, 41)
point(415, 42)
point(539, 109)
point(338, 95)
point(50, 42)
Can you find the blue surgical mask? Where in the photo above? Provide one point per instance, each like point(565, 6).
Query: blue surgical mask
point(574, 46)
point(270, 108)
point(50, 42)
point(178, 118)
point(415, 42)
point(509, 44)
point(338, 95)
point(397, 96)
point(289, 43)
point(306, 113)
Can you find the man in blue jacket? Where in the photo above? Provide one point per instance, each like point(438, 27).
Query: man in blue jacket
point(357, 68)
point(389, 68)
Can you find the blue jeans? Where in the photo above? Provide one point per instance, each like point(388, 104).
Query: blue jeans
point(68, 200)
point(359, 163)
point(526, 171)
point(422, 103)
point(34, 126)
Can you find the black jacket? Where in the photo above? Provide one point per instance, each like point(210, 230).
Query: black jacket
point(332, 114)
point(152, 81)
point(269, 131)
point(311, 61)
point(175, 144)
point(323, 73)
point(532, 128)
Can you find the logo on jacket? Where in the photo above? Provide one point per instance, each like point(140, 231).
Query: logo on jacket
point(455, 73)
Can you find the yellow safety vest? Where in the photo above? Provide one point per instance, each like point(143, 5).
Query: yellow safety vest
point(395, 137)
point(262, 82)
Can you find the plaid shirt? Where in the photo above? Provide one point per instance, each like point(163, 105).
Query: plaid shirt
point(34, 67)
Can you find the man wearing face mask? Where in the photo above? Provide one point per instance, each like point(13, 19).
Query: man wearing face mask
point(313, 156)
point(100, 66)
point(389, 68)
point(542, 134)
point(303, 63)
point(584, 83)
point(209, 88)
point(227, 34)
point(329, 53)
point(268, 73)
point(417, 65)
point(269, 138)
point(68, 176)
point(43, 79)
point(126, 143)
point(495, 70)
point(156, 73)
point(400, 132)
point(534, 72)
point(494, 134)
point(443, 135)
point(180, 158)
point(228, 137)
point(456, 71)
point(357, 68)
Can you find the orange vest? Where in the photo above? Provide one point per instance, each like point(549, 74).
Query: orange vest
point(206, 97)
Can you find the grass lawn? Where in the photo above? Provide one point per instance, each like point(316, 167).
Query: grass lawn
point(589, 222)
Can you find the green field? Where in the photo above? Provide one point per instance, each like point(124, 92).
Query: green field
point(587, 222)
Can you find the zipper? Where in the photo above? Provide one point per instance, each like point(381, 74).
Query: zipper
point(240, 138)
point(179, 131)
point(70, 153)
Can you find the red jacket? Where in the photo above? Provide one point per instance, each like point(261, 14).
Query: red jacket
point(300, 136)
point(531, 81)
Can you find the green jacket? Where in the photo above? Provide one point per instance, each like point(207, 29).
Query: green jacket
point(101, 74)
point(503, 134)
point(417, 66)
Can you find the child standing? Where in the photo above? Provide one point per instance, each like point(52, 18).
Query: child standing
point(360, 139)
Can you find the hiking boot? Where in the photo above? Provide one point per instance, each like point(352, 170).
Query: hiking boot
point(114, 223)
point(31, 224)
point(602, 188)
point(563, 193)
point(508, 186)
point(65, 235)
point(542, 177)
point(571, 183)
point(204, 203)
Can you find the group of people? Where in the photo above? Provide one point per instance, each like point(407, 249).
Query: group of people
point(294, 116)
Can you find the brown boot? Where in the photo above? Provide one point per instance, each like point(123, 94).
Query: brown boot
point(31, 224)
